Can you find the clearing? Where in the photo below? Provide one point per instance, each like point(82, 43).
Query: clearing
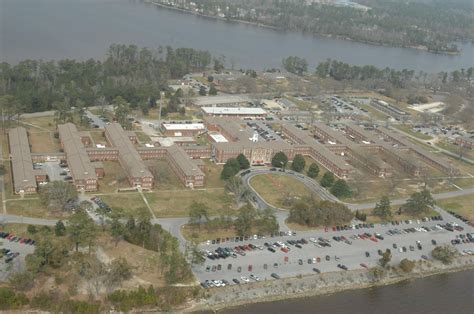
point(463, 205)
point(277, 189)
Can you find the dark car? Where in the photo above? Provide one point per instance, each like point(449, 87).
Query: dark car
point(236, 281)
point(274, 275)
point(367, 254)
point(316, 270)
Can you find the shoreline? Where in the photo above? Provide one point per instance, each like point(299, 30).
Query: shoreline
point(310, 285)
point(418, 48)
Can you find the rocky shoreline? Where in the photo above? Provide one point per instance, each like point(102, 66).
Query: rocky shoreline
point(313, 285)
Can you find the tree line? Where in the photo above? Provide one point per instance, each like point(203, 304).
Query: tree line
point(136, 74)
point(430, 25)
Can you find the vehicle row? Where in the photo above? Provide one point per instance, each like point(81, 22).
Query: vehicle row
point(12, 238)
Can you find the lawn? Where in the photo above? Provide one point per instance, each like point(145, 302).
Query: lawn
point(127, 203)
point(463, 205)
point(32, 208)
point(41, 123)
point(273, 188)
point(175, 203)
point(142, 137)
point(115, 177)
point(408, 129)
point(98, 137)
point(43, 142)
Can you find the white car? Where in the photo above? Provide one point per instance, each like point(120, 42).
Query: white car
point(256, 278)
point(400, 250)
point(208, 242)
point(244, 279)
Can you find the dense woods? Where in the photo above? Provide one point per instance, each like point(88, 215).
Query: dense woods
point(431, 25)
point(136, 74)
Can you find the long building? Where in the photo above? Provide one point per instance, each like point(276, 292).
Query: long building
point(82, 171)
point(23, 174)
point(423, 154)
point(136, 170)
point(309, 146)
point(184, 167)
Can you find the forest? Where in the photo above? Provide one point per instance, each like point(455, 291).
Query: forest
point(432, 25)
point(135, 74)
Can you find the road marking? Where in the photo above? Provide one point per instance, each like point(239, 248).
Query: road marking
point(457, 187)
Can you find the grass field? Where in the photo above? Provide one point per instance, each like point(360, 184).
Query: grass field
point(463, 205)
point(114, 178)
point(175, 203)
point(142, 137)
point(32, 208)
point(43, 142)
point(273, 188)
point(41, 124)
point(127, 203)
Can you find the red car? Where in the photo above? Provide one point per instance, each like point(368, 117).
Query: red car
point(374, 239)
point(250, 268)
point(333, 228)
point(284, 249)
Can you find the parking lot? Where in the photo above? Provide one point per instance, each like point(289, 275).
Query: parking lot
point(355, 253)
point(54, 170)
point(13, 252)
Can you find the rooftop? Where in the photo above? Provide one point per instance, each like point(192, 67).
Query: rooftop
point(77, 157)
point(233, 111)
point(22, 167)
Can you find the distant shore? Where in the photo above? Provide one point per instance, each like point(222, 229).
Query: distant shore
point(313, 285)
point(420, 48)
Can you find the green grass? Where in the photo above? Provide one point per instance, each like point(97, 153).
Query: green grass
point(175, 203)
point(142, 137)
point(469, 153)
point(273, 188)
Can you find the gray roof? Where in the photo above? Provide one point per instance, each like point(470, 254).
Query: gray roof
point(417, 149)
point(128, 155)
point(76, 154)
point(183, 161)
point(22, 166)
point(306, 139)
point(232, 127)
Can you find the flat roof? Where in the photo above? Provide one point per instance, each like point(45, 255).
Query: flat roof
point(76, 154)
point(183, 126)
point(218, 138)
point(233, 110)
point(131, 160)
point(22, 166)
point(168, 141)
point(221, 100)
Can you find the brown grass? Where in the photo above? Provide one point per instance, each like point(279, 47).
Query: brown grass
point(274, 187)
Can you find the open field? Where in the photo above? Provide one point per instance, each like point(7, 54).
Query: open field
point(274, 188)
point(463, 205)
point(408, 129)
point(130, 203)
point(41, 124)
point(32, 208)
point(42, 142)
point(175, 203)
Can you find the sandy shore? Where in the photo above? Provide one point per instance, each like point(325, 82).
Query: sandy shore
point(327, 283)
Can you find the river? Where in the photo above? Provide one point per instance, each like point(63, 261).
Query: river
point(81, 29)
point(440, 294)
